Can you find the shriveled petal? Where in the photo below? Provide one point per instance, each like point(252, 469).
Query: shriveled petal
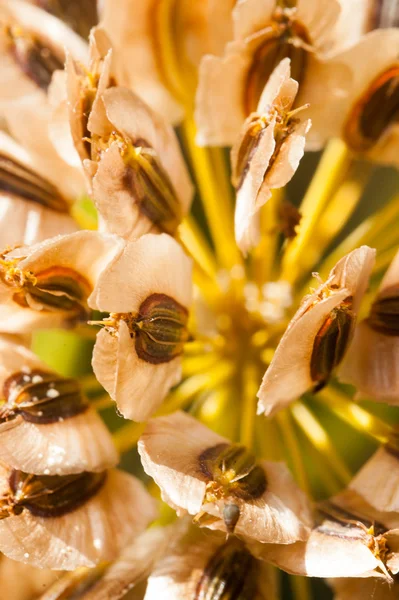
point(320, 19)
point(288, 158)
point(378, 480)
point(190, 558)
point(137, 121)
point(280, 90)
point(289, 373)
point(250, 16)
point(95, 532)
point(170, 450)
point(80, 443)
point(137, 386)
point(249, 196)
point(152, 264)
point(220, 111)
point(360, 589)
point(114, 581)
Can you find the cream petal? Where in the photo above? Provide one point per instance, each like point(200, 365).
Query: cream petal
point(355, 20)
point(280, 90)
point(220, 24)
point(249, 16)
point(80, 443)
point(24, 222)
point(16, 357)
point(288, 158)
point(169, 449)
point(371, 365)
point(288, 375)
point(93, 533)
point(157, 262)
point(281, 515)
point(360, 589)
point(219, 112)
point(127, 26)
point(319, 19)
point(391, 277)
point(378, 480)
point(137, 386)
point(122, 215)
point(136, 120)
point(249, 200)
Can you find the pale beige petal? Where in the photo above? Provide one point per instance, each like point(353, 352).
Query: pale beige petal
point(16, 357)
point(24, 222)
point(121, 215)
point(249, 200)
point(391, 277)
point(220, 111)
point(127, 26)
point(220, 23)
point(288, 375)
point(355, 20)
point(137, 386)
point(80, 443)
point(378, 480)
point(288, 158)
point(371, 365)
point(249, 16)
point(93, 533)
point(281, 515)
point(364, 589)
point(152, 264)
point(136, 120)
point(169, 450)
point(319, 18)
point(280, 90)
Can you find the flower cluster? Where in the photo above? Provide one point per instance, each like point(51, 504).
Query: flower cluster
point(147, 214)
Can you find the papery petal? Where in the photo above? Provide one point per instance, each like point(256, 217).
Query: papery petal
point(95, 532)
point(289, 374)
point(378, 480)
point(360, 589)
point(170, 449)
point(250, 16)
point(23, 582)
point(319, 19)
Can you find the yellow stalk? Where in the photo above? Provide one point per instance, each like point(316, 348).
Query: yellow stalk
point(250, 386)
point(197, 364)
point(319, 438)
point(219, 410)
point(268, 439)
point(356, 416)
point(84, 213)
point(219, 220)
point(330, 172)
point(222, 176)
point(263, 257)
point(301, 588)
point(285, 423)
point(102, 402)
point(127, 436)
point(194, 241)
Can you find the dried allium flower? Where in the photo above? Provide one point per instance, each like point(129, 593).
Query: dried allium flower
point(66, 521)
point(319, 334)
point(23, 582)
point(48, 284)
point(267, 153)
point(46, 424)
point(137, 353)
point(221, 484)
point(351, 540)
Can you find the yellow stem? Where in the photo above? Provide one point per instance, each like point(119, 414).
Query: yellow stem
point(194, 241)
point(102, 402)
point(319, 438)
point(286, 425)
point(356, 416)
point(263, 257)
point(268, 439)
point(329, 174)
point(250, 386)
point(127, 436)
point(84, 213)
point(219, 219)
point(197, 364)
point(301, 588)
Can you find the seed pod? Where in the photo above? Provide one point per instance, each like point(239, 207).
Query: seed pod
point(231, 514)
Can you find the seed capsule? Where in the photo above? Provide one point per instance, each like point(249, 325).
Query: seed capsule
point(234, 471)
point(41, 397)
point(374, 112)
point(49, 495)
point(331, 342)
point(384, 314)
point(230, 574)
point(160, 329)
point(231, 514)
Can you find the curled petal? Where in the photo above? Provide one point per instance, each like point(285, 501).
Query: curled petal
point(378, 480)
